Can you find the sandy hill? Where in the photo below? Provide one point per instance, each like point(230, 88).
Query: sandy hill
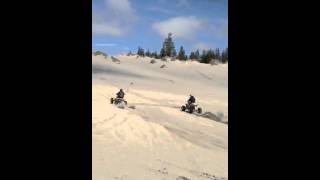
point(156, 140)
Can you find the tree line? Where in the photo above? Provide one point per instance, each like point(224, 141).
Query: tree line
point(168, 50)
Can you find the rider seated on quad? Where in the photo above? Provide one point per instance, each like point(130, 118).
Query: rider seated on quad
point(191, 100)
point(119, 98)
point(190, 106)
point(120, 94)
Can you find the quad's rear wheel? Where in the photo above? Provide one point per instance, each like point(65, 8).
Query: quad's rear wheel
point(125, 102)
point(111, 100)
point(199, 110)
point(183, 108)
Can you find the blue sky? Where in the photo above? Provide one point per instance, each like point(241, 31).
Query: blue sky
point(122, 25)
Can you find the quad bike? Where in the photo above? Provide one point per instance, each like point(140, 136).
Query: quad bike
point(190, 108)
point(117, 101)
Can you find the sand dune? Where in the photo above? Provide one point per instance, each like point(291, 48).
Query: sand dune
point(156, 140)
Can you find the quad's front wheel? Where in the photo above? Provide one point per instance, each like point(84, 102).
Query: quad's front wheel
point(125, 102)
point(183, 108)
point(111, 101)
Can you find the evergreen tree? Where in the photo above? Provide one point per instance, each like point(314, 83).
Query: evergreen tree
point(182, 54)
point(162, 53)
point(140, 51)
point(192, 55)
point(211, 55)
point(148, 54)
point(224, 56)
point(207, 56)
point(197, 55)
point(168, 47)
point(217, 54)
point(129, 53)
point(173, 53)
point(203, 57)
point(156, 55)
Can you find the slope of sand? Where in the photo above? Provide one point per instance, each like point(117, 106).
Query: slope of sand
point(156, 140)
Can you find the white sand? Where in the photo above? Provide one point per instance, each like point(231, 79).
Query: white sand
point(156, 140)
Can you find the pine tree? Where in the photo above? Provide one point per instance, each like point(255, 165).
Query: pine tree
point(210, 56)
point(173, 53)
point(192, 55)
point(182, 54)
point(168, 47)
point(224, 56)
point(156, 55)
point(139, 52)
point(148, 54)
point(197, 55)
point(217, 54)
point(205, 57)
point(162, 53)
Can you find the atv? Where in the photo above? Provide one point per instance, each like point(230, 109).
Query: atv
point(190, 108)
point(117, 101)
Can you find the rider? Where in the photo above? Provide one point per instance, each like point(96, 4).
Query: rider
point(120, 94)
point(191, 100)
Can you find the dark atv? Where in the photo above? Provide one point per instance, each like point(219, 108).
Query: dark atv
point(190, 108)
point(117, 101)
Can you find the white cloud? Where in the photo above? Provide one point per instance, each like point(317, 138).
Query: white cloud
point(113, 18)
point(106, 29)
point(120, 7)
point(201, 46)
point(183, 3)
point(177, 3)
point(181, 27)
point(105, 44)
point(161, 10)
point(219, 28)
